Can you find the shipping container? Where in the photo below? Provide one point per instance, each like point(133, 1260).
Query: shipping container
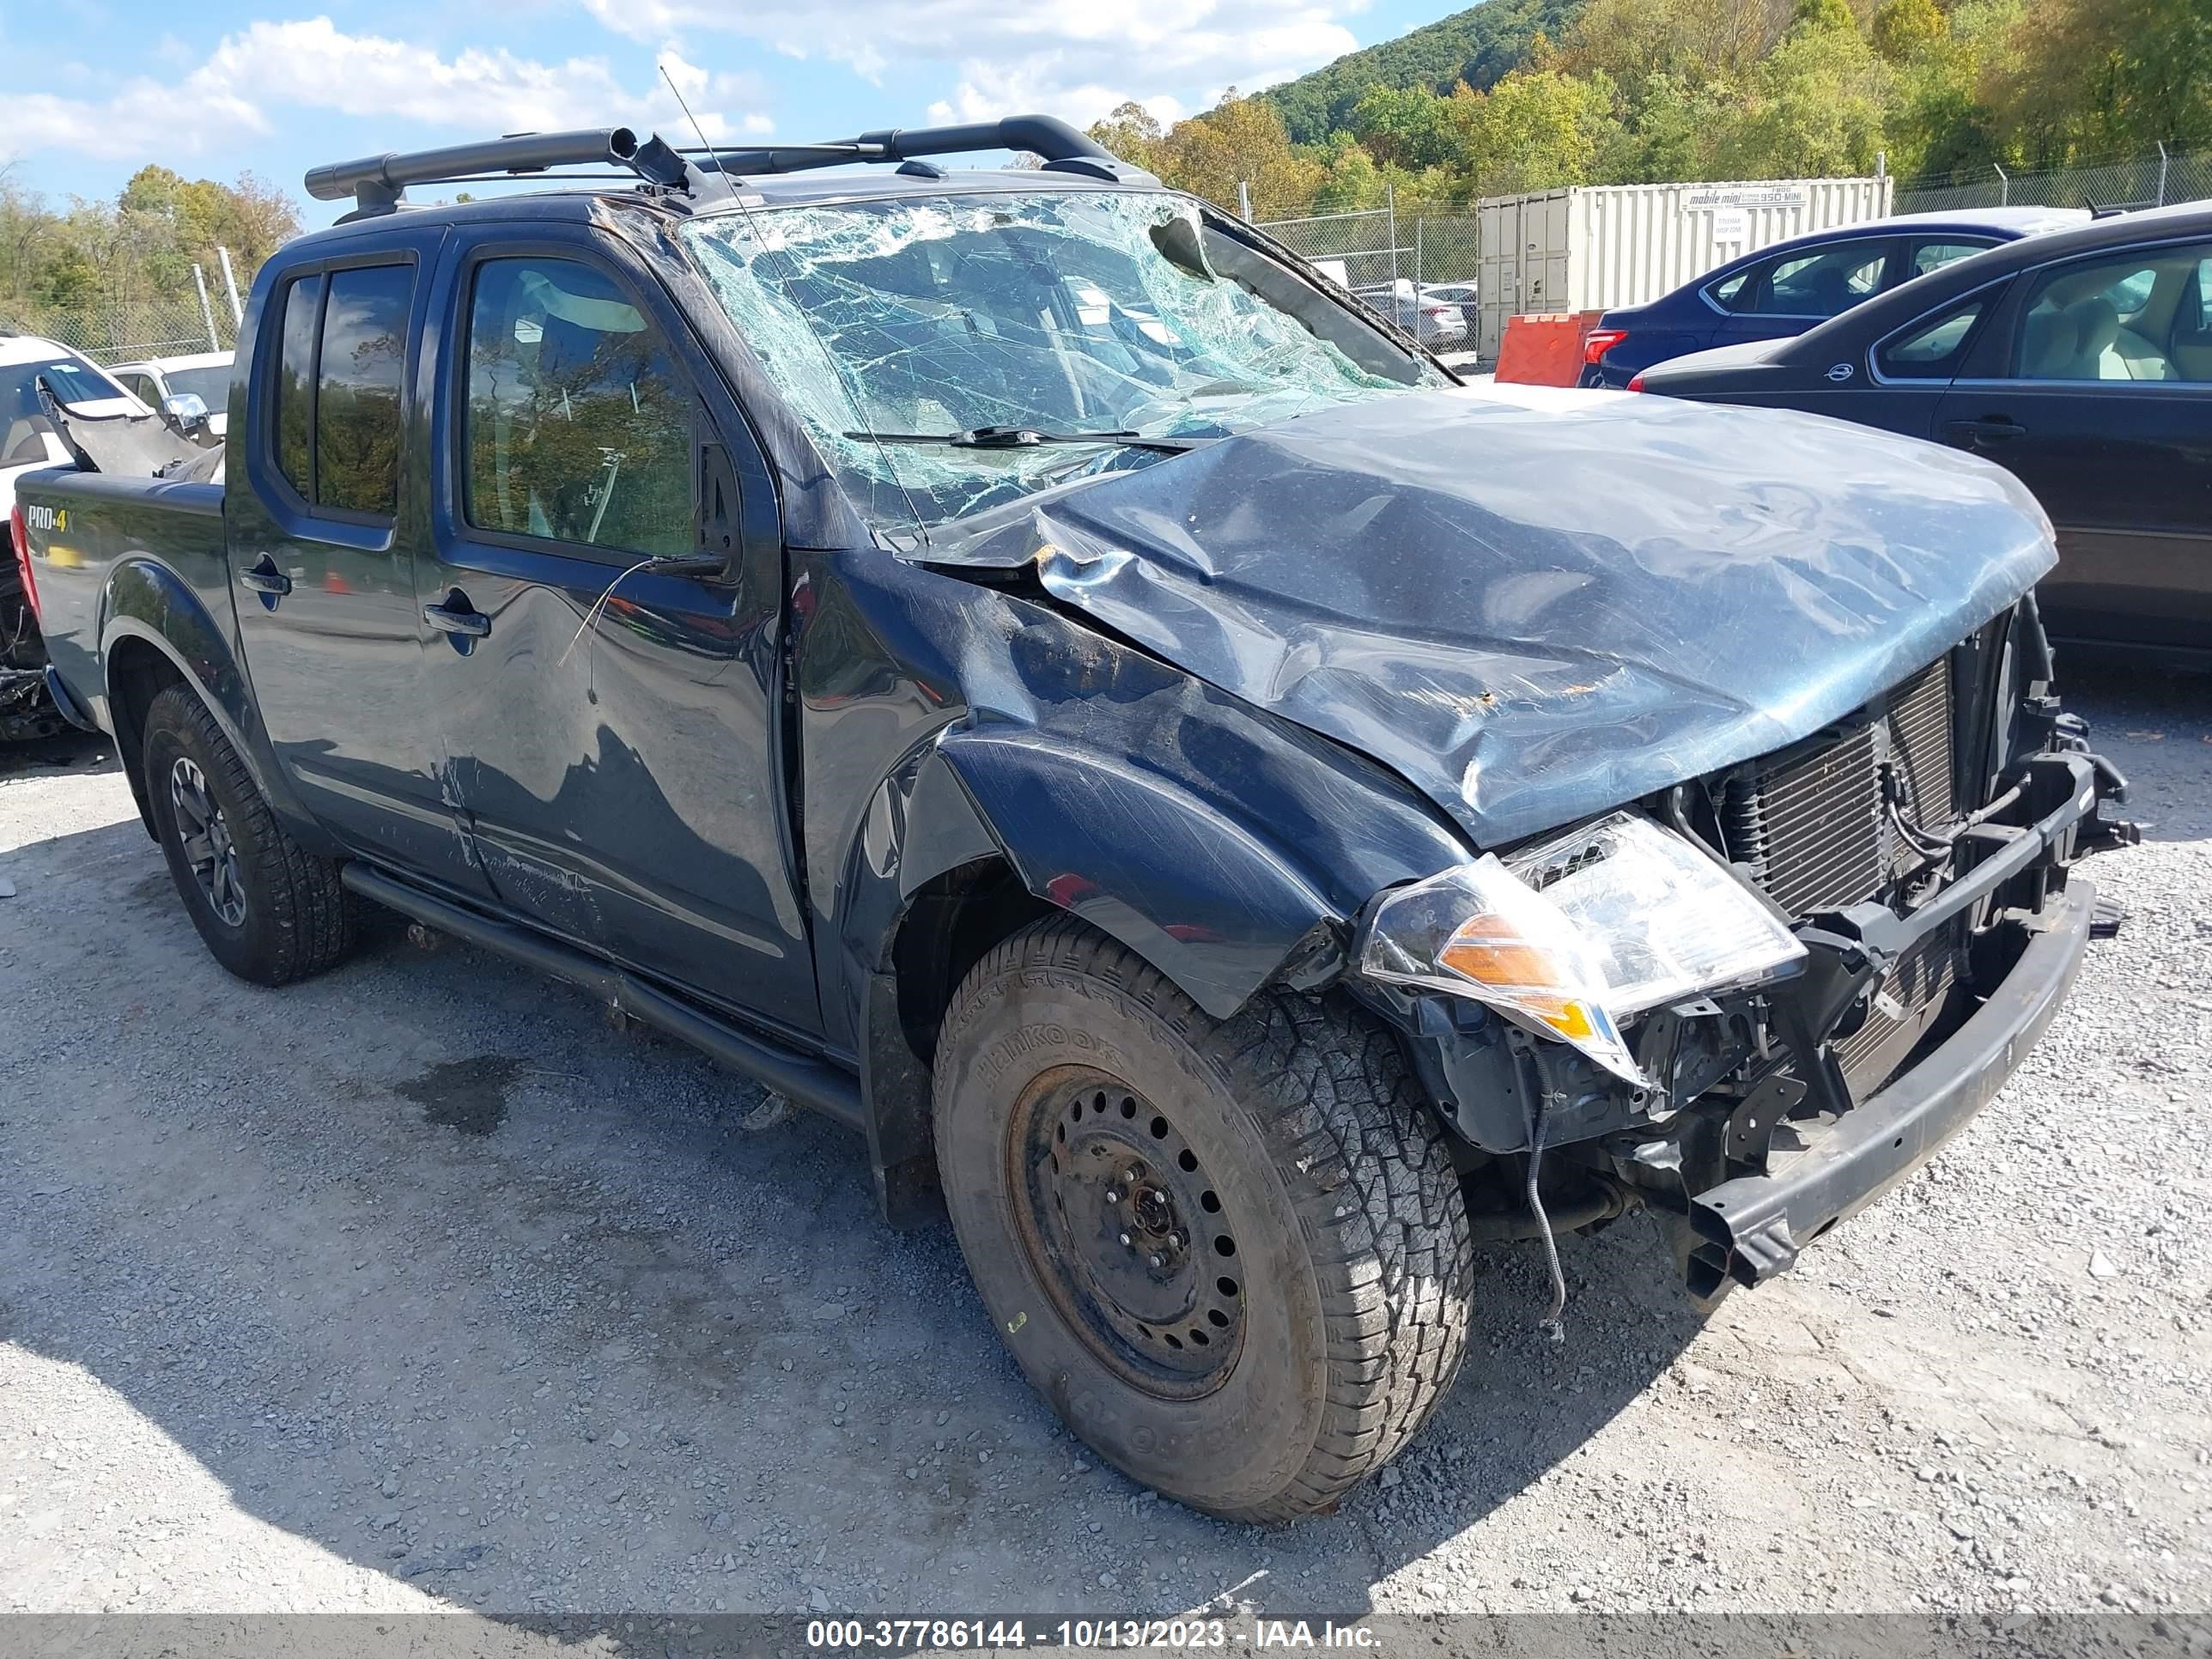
point(1591, 246)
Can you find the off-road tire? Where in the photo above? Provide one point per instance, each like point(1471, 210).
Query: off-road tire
point(1353, 1261)
point(298, 920)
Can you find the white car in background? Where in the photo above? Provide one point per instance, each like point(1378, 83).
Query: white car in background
point(27, 437)
point(202, 374)
point(28, 442)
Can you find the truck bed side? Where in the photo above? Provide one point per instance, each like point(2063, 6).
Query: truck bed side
point(132, 578)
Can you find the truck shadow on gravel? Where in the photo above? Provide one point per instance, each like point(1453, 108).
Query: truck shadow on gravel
point(429, 1267)
point(72, 752)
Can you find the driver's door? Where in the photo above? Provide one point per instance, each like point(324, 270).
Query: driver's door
point(611, 729)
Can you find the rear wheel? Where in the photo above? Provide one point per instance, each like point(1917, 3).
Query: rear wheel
point(1233, 1254)
point(268, 910)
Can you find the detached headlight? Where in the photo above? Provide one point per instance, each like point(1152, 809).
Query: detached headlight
point(1575, 934)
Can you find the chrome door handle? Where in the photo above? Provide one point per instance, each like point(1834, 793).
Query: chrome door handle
point(265, 578)
point(457, 616)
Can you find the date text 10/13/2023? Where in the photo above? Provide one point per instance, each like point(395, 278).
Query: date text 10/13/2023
point(934, 1635)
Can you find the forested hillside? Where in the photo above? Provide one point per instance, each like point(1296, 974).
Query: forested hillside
point(1479, 46)
point(1628, 91)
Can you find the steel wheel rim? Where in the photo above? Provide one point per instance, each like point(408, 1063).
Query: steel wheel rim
point(1124, 1227)
point(204, 834)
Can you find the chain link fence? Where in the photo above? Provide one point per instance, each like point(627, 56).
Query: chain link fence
point(2155, 180)
point(1381, 245)
point(1389, 259)
point(125, 333)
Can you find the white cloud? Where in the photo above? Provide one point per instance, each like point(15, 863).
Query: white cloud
point(312, 64)
point(1074, 61)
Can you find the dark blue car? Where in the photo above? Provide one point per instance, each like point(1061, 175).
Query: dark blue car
point(1786, 287)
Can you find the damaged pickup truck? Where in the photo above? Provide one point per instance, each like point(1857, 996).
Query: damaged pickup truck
point(1014, 660)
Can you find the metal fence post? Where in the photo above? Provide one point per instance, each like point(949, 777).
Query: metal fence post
point(1390, 205)
point(2162, 160)
point(2004, 188)
point(207, 311)
point(230, 286)
point(1419, 220)
point(1245, 200)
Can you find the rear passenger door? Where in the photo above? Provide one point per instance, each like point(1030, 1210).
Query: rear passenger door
point(1910, 370)
point(614, 729)
point(321, 578)
point(2098, 394)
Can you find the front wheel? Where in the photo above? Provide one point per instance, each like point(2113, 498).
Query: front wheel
point(1233, 1254)
point(267, 909)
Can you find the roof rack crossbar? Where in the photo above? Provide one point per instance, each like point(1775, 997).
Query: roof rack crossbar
point(377, 183)
point(1044, 135)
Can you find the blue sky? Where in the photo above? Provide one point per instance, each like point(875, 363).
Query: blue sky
point(92, 89)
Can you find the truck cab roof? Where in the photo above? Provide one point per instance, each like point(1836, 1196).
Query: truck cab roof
point(576, 205)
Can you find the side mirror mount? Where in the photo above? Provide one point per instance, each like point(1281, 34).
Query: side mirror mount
point(717, 536)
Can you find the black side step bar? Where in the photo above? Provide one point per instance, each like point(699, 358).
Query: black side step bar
point(812, 1083)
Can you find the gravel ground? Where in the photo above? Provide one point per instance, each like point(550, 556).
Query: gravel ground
point(418, 1287)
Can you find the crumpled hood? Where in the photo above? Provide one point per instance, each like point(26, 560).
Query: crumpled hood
point(1535, 605)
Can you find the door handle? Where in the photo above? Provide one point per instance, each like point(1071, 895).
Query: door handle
point(456, 615)
point(1991, 429)
point(263, 577)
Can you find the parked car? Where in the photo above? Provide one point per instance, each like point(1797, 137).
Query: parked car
point(1466, 296)
point(28, 442)
point(2082, 362)
point(202, 375)
point(1437, 323)
point(1785, 288)
point(1006, 661)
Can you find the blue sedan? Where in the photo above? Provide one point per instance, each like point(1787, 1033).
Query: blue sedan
point(1785, 288)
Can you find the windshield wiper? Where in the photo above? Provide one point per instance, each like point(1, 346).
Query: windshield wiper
point(1026, 437)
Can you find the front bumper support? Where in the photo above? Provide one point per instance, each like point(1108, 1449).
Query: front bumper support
point(1751, 1228)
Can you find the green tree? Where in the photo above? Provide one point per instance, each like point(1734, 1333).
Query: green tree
point(1939, 122)
point(1406, 127)
point(1535, 129)
point(1131, 133)
point(1816, 105)
point(2096, 78)
point(1240, 141)
point(1349, 178)
point(1904, 28)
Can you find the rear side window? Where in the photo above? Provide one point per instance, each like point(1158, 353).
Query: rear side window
point(295, 386)
point(359, 369)
point(579, 426)
point(342, 362)
point(1932, 350)
point(1732, 293)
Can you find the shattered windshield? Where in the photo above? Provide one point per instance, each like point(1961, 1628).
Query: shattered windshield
point(1082, 312)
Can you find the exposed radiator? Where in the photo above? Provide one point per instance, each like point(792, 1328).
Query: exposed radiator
point(1814, 831)
point(1919, 723)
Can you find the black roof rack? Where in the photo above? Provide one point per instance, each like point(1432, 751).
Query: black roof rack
point(378, 183)
point(1062, 148)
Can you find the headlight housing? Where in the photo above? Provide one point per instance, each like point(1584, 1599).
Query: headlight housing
point(1573, 934)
